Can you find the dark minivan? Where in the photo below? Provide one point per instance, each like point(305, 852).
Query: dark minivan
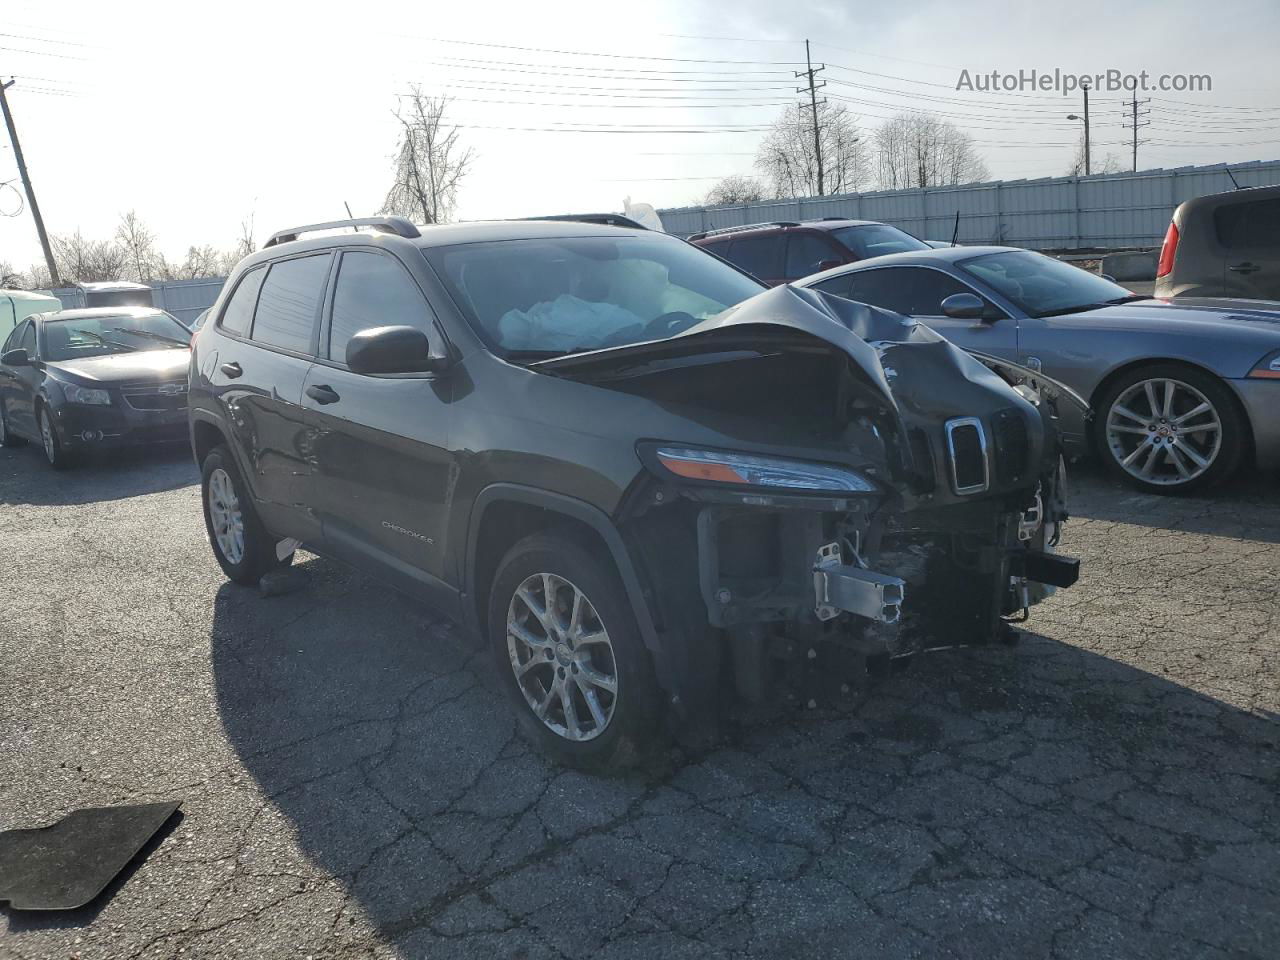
point(1223, 245)
point(780, 252)
point(630, 468)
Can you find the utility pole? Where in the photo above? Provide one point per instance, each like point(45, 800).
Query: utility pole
point(813, 105)
point(1135, 124)
point(1088, 168)
point(26, 182)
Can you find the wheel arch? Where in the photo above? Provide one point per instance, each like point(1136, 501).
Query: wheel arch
point(504, 513)
point(205, 435)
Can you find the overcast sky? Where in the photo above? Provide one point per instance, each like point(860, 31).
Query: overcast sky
point(198, 116)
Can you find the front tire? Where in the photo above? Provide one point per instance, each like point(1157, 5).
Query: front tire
point(54, 452)
point(1167, 429)
point(241, 544)
point(573, 662)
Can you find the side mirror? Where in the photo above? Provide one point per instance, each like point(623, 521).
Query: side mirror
point(400, 349)
point(829, 265)
point(16, 358)
point(963, 306)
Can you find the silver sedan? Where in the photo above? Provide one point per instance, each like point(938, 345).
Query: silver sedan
point(1183, 393)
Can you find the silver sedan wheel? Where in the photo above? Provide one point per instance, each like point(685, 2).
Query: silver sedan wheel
point(225, 516)
point(1164, 431)
point(561, 656)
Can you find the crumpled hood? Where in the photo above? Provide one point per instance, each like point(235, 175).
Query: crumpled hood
point(127, 367)
point(788, 317)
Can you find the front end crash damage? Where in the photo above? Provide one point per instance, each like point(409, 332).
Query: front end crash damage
point(885, 493)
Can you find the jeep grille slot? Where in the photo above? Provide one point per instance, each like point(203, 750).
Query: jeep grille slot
point(967, 450)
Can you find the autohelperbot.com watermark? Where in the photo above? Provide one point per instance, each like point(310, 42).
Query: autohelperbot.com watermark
point(1066, 83)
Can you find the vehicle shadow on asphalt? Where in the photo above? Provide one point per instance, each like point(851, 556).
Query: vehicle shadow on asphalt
point(1005, 797)
point(1246, 508)
point(118, 475)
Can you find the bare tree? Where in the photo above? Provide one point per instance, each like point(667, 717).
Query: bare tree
point(735, 189)
point(87, 261)
point(139, 246)
point(430, 162)
point(788, 161)
point(1111, 163)
point(923, 150)
point(36, 277)
point(199, 262)
point(10, 279)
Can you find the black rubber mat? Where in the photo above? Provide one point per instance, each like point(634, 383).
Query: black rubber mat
point(65, 865)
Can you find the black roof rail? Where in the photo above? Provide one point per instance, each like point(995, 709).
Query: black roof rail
point(606, 219)
point(719, 231)
point(397, 225)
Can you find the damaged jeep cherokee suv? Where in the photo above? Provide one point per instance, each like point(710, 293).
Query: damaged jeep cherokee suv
point(630, 468)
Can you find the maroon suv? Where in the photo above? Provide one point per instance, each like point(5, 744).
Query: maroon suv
point(780, 252)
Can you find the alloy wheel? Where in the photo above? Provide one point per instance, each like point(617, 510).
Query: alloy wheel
point(225, 515)
point(562, 657)
point(1164, 431)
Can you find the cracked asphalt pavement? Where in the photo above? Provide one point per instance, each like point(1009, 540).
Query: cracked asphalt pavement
point(354, 785)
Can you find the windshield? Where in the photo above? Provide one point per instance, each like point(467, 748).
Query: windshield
point(877, 239)
point(98, 336)
point(564, 295)
point(1043, 286)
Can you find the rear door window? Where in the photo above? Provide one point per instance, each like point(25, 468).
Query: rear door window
point(238, 312)
point(1248, 226)
point(805, 252)
point(759, 256)
point(289, 304)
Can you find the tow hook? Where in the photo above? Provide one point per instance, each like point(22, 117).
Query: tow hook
point(839, 586)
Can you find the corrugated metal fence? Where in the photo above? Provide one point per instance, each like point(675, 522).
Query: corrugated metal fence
point(1104, 211)
point(185, 299)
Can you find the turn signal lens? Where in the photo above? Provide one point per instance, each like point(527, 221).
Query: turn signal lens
point(1268, 368)
point(748, 470)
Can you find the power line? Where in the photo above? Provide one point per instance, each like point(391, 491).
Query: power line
point(610, 56)
point(42, 53)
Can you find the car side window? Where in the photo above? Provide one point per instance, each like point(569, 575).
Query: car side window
point(238, 312)
point(28, 341)
point(840, 286)
point(1248, 225)
point(11, 341)
point(373, 290)
point(759, 256)
point(914, 291)
point(805, 251)
point(289, 303)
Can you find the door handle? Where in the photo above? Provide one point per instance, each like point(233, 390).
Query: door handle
point(1245, 267)
point(232, 370)
point(322, 393)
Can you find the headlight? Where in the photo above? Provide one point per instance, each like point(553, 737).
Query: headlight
point(749, 470)
point(1268, 368)
point(75, 394)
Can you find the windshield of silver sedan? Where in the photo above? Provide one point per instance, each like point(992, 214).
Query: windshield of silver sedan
point(538, 298)
point(97, 336)
point(1042, 286)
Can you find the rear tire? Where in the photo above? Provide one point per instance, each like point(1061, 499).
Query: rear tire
point(8, 439)
point(241, 544)
point(1150, 435)
point(576, 669)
